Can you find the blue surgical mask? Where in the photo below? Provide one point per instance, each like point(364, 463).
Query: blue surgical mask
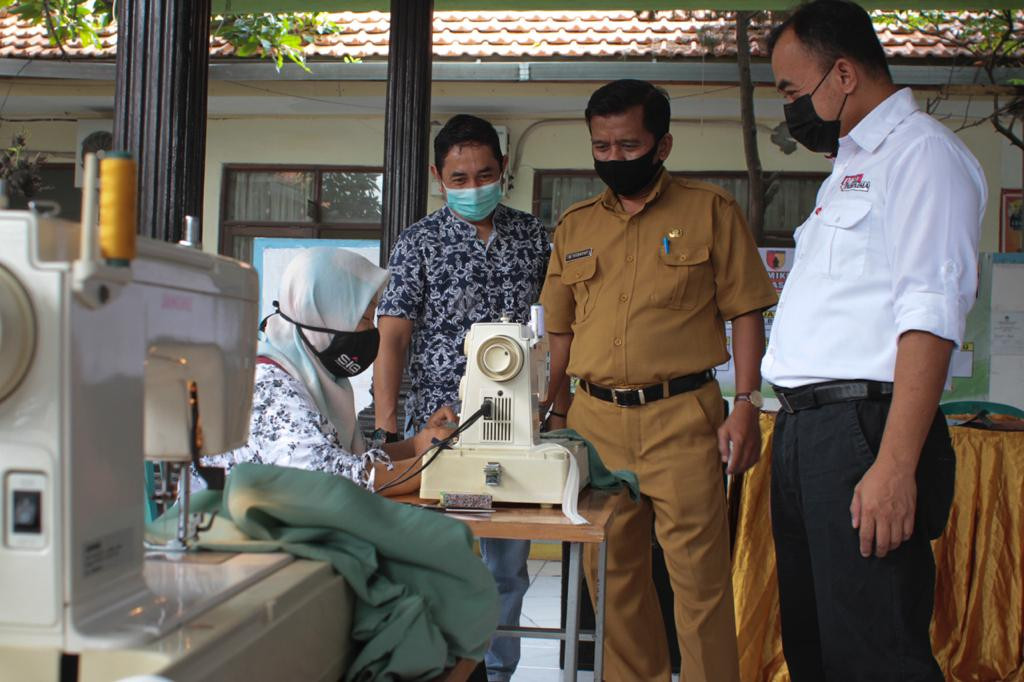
point(474, 203)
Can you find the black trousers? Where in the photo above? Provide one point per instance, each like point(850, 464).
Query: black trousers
point(846, 617)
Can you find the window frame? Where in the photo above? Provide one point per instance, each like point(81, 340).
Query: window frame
point(314, 229)
point(768, 240)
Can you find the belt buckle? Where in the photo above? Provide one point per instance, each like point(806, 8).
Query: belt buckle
point(784, 403)
point(642, 399)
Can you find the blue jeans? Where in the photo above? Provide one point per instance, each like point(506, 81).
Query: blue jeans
point(506, 560)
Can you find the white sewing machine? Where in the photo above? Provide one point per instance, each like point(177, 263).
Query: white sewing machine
point(99, 365)
point(502, 455)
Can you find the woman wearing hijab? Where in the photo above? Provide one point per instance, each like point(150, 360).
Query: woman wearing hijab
point(303, 413)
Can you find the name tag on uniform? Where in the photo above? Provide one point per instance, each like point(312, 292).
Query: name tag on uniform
point(577, 255)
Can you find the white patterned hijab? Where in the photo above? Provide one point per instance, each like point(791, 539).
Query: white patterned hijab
point(322, 287)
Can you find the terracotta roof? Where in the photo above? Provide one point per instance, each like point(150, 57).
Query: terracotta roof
point(505, 35)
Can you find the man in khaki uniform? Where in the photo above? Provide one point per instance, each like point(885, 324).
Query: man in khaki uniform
point(640, 282)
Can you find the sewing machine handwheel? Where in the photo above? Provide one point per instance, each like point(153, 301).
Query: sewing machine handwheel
point(500, 358)
point(17, 333)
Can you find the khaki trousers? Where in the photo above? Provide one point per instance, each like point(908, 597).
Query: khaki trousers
point(672, 446)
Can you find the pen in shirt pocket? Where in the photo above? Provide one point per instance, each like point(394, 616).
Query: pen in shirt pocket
point(664, 243)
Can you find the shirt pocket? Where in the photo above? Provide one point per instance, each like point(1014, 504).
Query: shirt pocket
point(846, 233)
point(580, 276)
point(682, 274)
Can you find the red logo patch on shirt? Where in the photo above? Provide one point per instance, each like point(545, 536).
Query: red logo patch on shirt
point(855, 183)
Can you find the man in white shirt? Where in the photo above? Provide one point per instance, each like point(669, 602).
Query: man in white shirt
point(885, 273)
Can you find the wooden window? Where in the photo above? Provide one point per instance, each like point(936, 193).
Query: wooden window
point(556, 190)
point(311, 202)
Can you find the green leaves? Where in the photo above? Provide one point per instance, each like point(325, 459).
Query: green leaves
point(22, 171)
point(273, 36)
point(993, 37)
point(66, 21)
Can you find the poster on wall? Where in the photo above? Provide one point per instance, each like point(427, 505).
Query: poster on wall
point(778, 262)
point(270, 257)
point(1011, 217)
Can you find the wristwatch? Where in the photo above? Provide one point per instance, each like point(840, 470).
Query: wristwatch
point(753, 397)
point(382, 436)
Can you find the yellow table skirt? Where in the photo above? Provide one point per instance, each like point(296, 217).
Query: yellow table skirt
point(978, 624)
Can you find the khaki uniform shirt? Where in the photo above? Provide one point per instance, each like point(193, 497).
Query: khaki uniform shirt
point(641, 315)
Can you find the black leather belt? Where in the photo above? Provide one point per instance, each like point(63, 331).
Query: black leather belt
point(634, 397)
point(815, 395)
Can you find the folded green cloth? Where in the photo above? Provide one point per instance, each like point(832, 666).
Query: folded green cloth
point(600, 477)
point(423, 598)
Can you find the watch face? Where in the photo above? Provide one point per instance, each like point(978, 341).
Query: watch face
point(756, 399)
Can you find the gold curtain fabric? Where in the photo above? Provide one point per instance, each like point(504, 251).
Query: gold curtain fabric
point(978, 625)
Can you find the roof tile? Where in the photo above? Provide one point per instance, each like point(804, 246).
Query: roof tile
point(505, 35)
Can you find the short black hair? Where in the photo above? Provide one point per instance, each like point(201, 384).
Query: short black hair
point(831, 29)
point(619, 96)
point(465, 129)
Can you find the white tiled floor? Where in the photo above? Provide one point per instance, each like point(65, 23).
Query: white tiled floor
point(539, 658)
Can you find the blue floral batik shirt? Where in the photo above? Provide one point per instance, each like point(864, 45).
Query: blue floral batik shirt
point(444, 278)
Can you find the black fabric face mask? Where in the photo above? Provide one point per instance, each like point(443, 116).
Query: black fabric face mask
point(628, 177)
point(348, 354)
point(808, 128)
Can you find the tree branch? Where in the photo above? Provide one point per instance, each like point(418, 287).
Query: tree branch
point(53, 33)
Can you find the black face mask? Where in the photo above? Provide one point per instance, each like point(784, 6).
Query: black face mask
point(627, 178)
point(348, 354)
point(808, 128)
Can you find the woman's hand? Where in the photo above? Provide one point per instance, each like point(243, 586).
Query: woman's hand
point(424, 440)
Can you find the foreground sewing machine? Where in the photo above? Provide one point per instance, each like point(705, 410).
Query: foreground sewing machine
point(502, 455)
point(100, 363)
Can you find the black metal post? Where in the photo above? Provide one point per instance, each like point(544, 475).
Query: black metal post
point(160, 107)
point(407, 119)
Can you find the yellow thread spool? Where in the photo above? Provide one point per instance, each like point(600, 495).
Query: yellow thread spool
point(117, 207)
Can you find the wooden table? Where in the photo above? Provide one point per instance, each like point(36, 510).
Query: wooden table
point(529, 522)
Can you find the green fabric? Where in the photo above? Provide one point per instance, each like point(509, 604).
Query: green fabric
point(423, 598)
point(975, 407)
point(600, 477)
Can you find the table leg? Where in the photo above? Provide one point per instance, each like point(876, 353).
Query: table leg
point(602, 565)
point(572, 611)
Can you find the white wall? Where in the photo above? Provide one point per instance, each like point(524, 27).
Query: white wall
point(707, 139)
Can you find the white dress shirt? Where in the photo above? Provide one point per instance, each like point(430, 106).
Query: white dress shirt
point(891, 246)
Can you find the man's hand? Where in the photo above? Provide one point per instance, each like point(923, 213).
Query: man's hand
point(553, 423)
point(739, 438)
point(883, 506)
point(443, 418)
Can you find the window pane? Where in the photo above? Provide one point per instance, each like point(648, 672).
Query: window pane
point(59, 186)
point(242, 248)
point(351, 197)
point(559, 192)
point(262, 196)
point(793, 202)
point(734, 185)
